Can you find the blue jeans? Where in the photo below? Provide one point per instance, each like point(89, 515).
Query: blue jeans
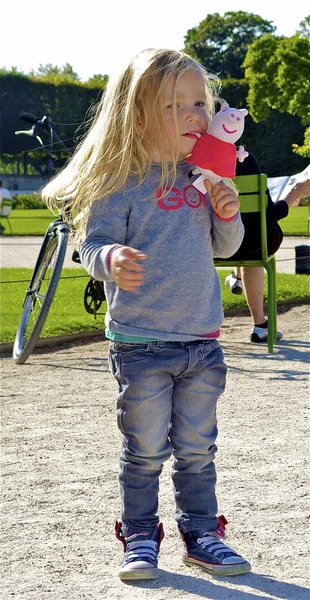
point(167, 396)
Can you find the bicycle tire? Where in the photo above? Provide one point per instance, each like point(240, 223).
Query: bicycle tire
point(93, 296)
point(41, 292)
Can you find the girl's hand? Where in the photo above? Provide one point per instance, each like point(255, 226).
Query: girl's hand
point(224, 201)
point(126, 272)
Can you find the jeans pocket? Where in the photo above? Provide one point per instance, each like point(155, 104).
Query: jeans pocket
point(128, 347)
point(131, 353)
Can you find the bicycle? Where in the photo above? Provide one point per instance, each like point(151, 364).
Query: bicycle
point(43, 284)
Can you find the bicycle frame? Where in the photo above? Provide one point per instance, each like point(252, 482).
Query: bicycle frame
point(51, 230)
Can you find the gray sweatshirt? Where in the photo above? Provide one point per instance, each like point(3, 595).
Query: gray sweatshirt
point(180, 298)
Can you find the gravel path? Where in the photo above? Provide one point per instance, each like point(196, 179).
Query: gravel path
point(60, 447)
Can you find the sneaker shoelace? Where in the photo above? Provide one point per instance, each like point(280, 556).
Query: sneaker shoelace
point(214, 545)
point(142, 550)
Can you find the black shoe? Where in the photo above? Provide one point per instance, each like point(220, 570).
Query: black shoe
point(259, 335)
point(76, 257)
point(234, 283)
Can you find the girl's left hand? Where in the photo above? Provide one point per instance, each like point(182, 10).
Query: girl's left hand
point(224, 201)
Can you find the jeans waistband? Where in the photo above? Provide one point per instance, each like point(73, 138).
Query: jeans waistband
point(162, 344)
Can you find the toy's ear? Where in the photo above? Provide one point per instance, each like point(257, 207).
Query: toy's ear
point(224, 106)
point(243, 111)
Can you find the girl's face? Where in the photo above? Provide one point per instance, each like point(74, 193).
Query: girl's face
point(189, 106)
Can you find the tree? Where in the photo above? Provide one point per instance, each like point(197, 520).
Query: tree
point(97, 81)
point(54, 74)
point(221, 43)
point(304, 27)
point(277, 72)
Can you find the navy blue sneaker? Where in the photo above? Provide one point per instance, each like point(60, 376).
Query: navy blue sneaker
point(208, 551)
point(141, 551)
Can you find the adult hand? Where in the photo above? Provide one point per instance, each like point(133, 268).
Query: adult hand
point(224, 201)
point(299, 191)
point(126, 272)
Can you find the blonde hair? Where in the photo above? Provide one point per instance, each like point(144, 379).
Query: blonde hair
point(127, 125)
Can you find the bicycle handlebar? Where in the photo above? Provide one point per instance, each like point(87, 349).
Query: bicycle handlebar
point(43, 122)
point(29, 118)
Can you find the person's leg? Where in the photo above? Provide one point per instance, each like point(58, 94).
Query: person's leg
point(237, 271)
point(143, 417)
point(144, 403)
point(253, 285)
point(193, 434)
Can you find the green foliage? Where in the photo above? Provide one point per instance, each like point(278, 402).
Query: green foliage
point(28, 201)
point(271, 142)
point(304, 27)
point(235, 92)
point(271, 139)
point(303, 150)
point(98, 81)
point(56, 75)
point(221, 43)
point(277, 71)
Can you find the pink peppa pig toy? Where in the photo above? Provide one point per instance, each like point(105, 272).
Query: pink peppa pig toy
point(215, 154)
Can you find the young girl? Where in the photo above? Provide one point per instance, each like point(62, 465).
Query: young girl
point(151, 237)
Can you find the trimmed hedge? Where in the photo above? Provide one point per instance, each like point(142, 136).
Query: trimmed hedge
point(31, 201)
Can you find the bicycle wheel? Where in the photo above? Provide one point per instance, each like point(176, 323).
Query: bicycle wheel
point(41, 292)
point(93, 296)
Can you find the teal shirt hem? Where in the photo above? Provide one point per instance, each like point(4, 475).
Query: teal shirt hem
point(127, 339)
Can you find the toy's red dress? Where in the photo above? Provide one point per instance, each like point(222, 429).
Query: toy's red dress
point(215, 155)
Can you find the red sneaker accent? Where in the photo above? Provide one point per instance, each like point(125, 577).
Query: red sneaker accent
point(220, 530)
point(120, 537)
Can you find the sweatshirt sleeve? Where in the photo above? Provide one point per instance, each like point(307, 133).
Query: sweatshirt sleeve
point(226, 236)
point(106, 229)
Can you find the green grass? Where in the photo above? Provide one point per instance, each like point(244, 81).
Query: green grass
point(296, 221)
point(28, 222)
point(68, 315)
point(35, 222)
